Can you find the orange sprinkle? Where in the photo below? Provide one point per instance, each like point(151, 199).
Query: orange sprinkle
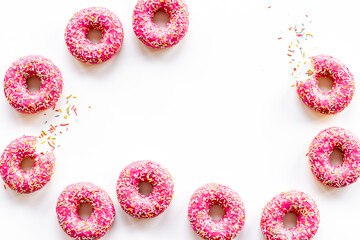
point(269, 6)
point(52, 127)
point(51, 145)
point(89, 106)
point(5, 186)
point(64, 124)
point(279, 38)
point(69, 96)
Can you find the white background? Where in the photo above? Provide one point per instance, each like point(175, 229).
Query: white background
point(217, 107)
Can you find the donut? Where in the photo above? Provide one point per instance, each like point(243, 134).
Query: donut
point(160, 37)
point(216, 194)
point(290, 202)
point(127, 189)
point(15, 87)
point(98, 18)
point(18, 179)
point(102, 216)
point(339, 97)
point(319, 157)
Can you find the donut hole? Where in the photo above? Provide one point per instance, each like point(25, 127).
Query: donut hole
point(325, 83)
point(161, 18)
point(216, 212)
point(336, 157)
point(290, 220)
point(27, 164)
point(145, 188)
point(84, 211)
point(94, 35)
point(33, 84)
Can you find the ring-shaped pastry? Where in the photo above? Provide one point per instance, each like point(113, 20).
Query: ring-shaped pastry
point(15, 87)
point(319, 157)
point(302, 205)
point(216, 194)
point(98, 18)
point(339, 97)
point(160, 37)
point(33, 179)
point(101, 218)
point(136, 204)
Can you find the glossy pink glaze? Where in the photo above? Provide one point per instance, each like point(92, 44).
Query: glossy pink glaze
point(98, 18)
point(101, 219)
point(302, 205)
point(127, 190)
point(215, 194)
point(339, 97)
point(160, 37)
point(319, 157)
point(15, 87)
point(18, 179)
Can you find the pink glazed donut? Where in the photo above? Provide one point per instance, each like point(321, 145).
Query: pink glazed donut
point(18, 179)
point(101, 219)
point(160, 37)
point(127, 189)
point(319, 157)
point(15, 87)
point(302, 205)
point(338, 97)
point(98, 18)
point(215, 194)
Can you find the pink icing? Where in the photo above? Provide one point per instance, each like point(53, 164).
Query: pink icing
point(94, 18)
point(215, 194)
point(18, 179)
point(319, 156)
point(140, 206)
point(338, 97)
point(16, 90)
point(160, 37)
point(97, 224)
point(296, 202)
